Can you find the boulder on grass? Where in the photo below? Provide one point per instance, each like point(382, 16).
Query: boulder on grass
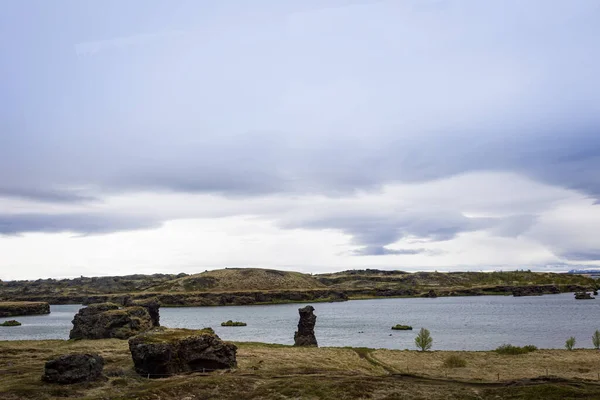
point(108, 320)
point(164, 352)
point(74, 368)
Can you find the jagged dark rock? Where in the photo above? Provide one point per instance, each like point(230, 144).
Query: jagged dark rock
point(534, 290)
point(305, 336)
point(431, 294)
point(153, 306)
point(583, 296)
point(74, 368)
point(164, 352)
point(108, 320)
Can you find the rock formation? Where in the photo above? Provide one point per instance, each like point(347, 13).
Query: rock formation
point(163, 352)
point(108, 320)
point(14, 308)
point(583, 296)
point(305, 336)
point(74, 368)
point(431, 294)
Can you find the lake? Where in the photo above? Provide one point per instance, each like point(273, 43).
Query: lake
point(456, 323)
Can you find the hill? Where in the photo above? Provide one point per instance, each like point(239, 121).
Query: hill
point(379, 279)
point(236, 279)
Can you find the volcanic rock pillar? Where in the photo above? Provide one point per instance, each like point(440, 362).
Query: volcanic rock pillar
point(305, 336)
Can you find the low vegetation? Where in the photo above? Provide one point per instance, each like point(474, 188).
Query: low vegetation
point(272, 372)
point(509, 349)
point(596, 339)
point(455, 361)
point(11, 322)
point(399, 327)
point(233, 323)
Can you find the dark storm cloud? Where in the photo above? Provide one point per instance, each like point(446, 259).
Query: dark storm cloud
point(373, 232)
point(12, 224)
point(49, 196)
point(590, 255)
point(382, 251)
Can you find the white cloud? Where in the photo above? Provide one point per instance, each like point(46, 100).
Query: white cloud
point(539, 225)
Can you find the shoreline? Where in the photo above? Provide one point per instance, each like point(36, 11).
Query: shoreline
point(272, 297)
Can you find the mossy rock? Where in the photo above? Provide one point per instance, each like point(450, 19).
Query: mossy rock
point(12, 322)
point(402, 327)
point(233, 323)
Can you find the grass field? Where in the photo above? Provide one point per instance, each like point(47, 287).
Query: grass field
point(284, 372)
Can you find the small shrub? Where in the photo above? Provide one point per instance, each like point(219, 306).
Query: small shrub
point(509, 349)
point(455, 361)
point(570, 343)
point(596, 339)
point(423, 341)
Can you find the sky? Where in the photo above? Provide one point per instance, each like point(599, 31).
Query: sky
point(179, 136)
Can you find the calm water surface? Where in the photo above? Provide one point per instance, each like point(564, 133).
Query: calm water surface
point(456, 323)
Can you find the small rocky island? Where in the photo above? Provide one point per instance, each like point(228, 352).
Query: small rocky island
point(583, 296)
point(11, 322)
point(233, 323)
point(399, 327)
point(17, 308)
point(108, 320)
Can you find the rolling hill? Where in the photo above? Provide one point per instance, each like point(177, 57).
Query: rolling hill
point(239, 279)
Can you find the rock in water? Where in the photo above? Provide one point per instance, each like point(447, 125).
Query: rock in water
point(74, 368)
point(108, 320)
point(164, 352)
point(305, 336)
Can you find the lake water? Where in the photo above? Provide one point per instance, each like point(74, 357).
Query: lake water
point(456, 323)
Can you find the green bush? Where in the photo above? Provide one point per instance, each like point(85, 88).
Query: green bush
point(455, 361)
point(423, 341)
point(509, 349)
point(570, 343)
point(596, 339)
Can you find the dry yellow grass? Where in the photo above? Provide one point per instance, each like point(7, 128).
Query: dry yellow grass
point(283, 372)
point(485, 366)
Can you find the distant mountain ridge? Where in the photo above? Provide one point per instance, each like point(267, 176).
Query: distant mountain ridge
point(231, 286)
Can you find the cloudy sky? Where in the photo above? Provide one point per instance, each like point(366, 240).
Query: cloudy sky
point(316, 135)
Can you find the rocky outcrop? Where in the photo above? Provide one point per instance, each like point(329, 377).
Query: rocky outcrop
point(74, 368)
point(164, 352)
point(305, 336)
point(15, 308)
point(152, 305)
point(534, 290)
point(108, 320)
point(583, 296)
point(430, 294)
